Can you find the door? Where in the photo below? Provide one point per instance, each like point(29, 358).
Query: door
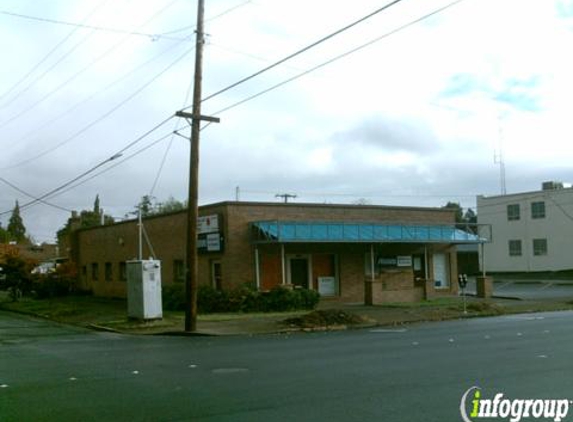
point(441, 270)
point(298, 271)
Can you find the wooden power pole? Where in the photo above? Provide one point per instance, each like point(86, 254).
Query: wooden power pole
point(195, 118)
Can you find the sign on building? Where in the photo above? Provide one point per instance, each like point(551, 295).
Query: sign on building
point(208, 224)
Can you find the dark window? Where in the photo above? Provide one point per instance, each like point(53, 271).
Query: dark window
point(84, 271)
point(95, 271)
point(538, 210)
point(513, 212)
point(108, 271)
point(122, 271)
point(515, 248)
point(178, 270)
point(539, 247)
point(217, 275)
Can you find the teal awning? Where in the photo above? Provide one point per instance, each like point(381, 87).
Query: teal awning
point(316, 232)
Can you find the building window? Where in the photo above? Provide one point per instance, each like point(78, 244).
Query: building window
point(538, 210)
point(95, 271)
point(515, 248)
point(122, 271)
point(178, 271)
point(513, 212)
point(217, 275)
point(84, 272)
point(108, 271)
point(539, 247)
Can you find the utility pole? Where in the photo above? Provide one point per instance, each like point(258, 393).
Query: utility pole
point(195, 118)
point(285, 196)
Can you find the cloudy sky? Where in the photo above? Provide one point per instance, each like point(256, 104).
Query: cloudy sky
point(414, 118)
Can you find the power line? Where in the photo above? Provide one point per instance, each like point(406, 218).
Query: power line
point(308, 47)
point(84, 69)
point(164, 159)
point(17, 189)
point(334, 59)
point(52, 51)
point(154, 37)
point(53, 120)
point(115, 156)
point(102, 117)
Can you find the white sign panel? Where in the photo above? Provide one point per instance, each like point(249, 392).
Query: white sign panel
point(208, 224)
point(213, 242)
point(404, 261)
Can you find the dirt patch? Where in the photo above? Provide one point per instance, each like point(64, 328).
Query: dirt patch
point(327, 318)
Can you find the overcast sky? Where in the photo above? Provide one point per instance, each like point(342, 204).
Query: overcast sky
point(416, 118)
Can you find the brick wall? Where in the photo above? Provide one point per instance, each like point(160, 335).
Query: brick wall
point(118, 243)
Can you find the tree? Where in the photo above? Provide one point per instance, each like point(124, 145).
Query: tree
point(16, 229)
point(87, 219)
point(3, 234)
point(458, 210)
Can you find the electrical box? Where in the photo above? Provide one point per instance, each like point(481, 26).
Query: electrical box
point(144, 289)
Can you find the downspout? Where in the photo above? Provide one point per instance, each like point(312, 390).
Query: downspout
point(372, 269)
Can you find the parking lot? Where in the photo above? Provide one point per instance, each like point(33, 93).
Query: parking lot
point(528, 289)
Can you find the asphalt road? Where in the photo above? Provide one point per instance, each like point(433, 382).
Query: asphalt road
point(50, 372)
point(541, 290)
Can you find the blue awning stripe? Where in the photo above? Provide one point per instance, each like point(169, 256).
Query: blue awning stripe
point(297, 231)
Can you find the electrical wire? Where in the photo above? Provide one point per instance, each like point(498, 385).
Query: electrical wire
point(302, 50)
point(334, 59)
point(164, 158)
point(117, 155)
point(100, 118)
point(17, 189)
point(84, 69)
point(154, 37)
point(52, 51)
point(134, 70)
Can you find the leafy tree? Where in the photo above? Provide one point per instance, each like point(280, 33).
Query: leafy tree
point(171, 205)
point(87, 219)
point(3, 234)
point(458, 210)
point(16, 229)
point(16, 277)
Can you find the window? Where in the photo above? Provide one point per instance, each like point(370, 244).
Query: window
point(538, 210)
point(515, 248)
point(178, 271)
point(95, 271)
point(539, 247)
point(122, 271)
point(217, 275)
point(84, 272)
point(108, 271)
point(513, 212)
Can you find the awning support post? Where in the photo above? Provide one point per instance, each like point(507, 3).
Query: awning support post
point(372, 267)
point(257, 269)
point(283, 263)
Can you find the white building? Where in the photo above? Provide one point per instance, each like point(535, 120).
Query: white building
point(532, 231)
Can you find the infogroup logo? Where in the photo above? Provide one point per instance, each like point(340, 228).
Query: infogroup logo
point(474, 407)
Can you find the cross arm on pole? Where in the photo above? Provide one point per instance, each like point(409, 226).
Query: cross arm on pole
point(192, 116)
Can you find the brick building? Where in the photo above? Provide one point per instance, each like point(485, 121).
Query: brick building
point(350, 252)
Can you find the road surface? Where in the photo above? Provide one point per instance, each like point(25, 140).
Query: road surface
point(50, 372)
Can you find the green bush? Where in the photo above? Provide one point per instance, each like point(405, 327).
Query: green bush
point(173, 297)
point(62, 282)
point(242, 299)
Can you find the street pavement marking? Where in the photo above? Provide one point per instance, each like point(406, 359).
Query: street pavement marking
point(542, 356)
point(73, 379)
point(546, 331)
point(193, 366)
point(229, 370)
point(487, 337)
point(4, 386)
point(519, 334)
point(415, 343)
point(135, 372)
point(451, 340)
point(388, 330)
